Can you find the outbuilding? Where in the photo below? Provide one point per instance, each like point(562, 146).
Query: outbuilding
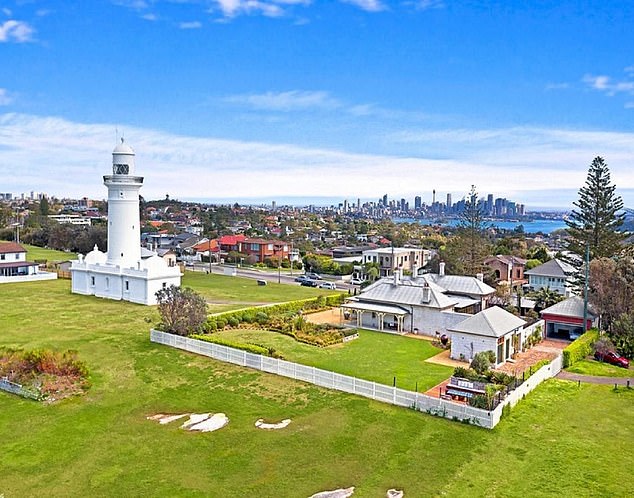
point(564, 320)
point(493, 329)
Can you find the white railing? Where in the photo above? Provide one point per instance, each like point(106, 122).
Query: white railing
point(354, 385)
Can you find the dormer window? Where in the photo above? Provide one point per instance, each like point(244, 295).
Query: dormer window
point(120, 169)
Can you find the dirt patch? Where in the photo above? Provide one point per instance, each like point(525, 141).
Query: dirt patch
point(261, 424)
point(443, 358)
point(330, 317)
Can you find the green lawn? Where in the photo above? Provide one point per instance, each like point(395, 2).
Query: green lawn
point(593, 367)
point(241, 292)
point(34, 253)
point(561, 441)
point(373, 356)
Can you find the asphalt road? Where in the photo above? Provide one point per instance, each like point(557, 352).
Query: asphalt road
point(266, 274)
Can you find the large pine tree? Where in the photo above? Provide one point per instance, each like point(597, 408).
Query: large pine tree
point(598, 215)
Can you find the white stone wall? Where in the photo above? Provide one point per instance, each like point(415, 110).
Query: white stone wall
point(469, 345)
point(428, 321)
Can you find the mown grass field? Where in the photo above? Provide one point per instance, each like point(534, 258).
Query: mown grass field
point(242, 292)
point(34, 253)
point(593, 367)
point(561, 441)
point(373, 356)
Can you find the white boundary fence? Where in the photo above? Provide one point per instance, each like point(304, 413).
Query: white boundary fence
point(353, 385)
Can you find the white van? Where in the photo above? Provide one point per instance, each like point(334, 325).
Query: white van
point(328, 285)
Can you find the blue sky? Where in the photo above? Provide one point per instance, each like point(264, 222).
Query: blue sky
point(271, 99)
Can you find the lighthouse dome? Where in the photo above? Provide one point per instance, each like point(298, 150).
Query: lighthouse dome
point(123, 159)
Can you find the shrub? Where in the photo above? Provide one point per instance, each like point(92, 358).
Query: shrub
point(222, 322)
point(479, 401)
point(210, 325)
point(233, 322)
point(461, 372)
point(248, 347)
point(183, 311)
point(481, 363)
point(580, 348)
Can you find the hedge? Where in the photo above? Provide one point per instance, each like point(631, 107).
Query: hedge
point(248, 347)
point(580, 348)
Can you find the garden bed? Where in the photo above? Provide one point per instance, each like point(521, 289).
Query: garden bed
point(42, 375)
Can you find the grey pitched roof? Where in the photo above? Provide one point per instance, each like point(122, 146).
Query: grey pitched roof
point(571, 307)
point(552, 268)
point(406, 292)
point(491, 322)
point(460, 284)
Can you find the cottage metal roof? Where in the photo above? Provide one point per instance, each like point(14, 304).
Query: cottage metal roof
point(406, 292)
point(377, 308)
point(460, 284)
point(571, 307)
point(552, 268)
point(491, 322)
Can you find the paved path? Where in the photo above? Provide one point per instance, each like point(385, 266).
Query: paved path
point(591, 379)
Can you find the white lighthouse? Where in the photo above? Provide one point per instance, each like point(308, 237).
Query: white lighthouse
point(124, 233)
point(123, 272)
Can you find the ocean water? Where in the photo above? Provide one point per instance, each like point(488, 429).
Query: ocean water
point(543, 226)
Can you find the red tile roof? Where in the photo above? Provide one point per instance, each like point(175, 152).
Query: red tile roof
point(10, 247)
point(231, 240)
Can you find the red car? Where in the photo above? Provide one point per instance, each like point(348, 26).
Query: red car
point(612, 358)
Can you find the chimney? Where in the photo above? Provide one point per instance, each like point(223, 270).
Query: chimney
point(426, 293)
point(397, 276)
point(480, 277)
point(441, 269)
point(415, 271)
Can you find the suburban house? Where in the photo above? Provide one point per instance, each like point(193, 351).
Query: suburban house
point(428, 304)
point(556, 275)
point(15, 268)
point(493, 329)
point(391, 259)
point(508, 270)
point(260, 249)
point(564, 320)
point(229, 243)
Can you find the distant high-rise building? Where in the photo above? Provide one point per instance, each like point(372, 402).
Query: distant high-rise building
point(273, 206)
point(358, 204)
point(433, 198)
point(345, 206)
point(417, 202)
point(385, 200)
point(448, 202)
point(489, 209)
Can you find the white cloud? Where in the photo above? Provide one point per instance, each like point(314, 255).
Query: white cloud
point(233, 8)
point(368, 5)
point(150, 17)
point(16, 31)
point(528, 160)
point(5, 98)
point(286, 101)
point(190, 25)
point(629, 105)
point(429, 4)
point(608, 86)
point(557, 86)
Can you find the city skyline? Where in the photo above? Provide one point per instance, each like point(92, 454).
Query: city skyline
point(256, 101)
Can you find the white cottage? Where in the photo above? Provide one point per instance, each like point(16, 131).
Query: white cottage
point(493, 329)
point(15, 268)
point(125, 271)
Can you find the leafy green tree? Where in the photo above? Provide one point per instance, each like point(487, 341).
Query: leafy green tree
point(612, 288)
point(481, 363)
point(183, 311)
point(546, 297)
point(466, 251)
point(597, 217)
point(622, 334)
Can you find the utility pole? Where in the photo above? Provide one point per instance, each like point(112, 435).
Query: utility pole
point(585, 288)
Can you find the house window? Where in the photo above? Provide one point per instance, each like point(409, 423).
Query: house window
point(164, 285)
point(17, 256)
point(2, 256)
point(107, 283)
point(127, 285)
point(92, 281)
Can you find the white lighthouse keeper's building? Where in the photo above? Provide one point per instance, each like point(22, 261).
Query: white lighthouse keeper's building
point(124, 272)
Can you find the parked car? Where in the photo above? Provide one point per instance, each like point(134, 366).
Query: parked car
point(356, 281)
point(301, 278)
point(312, 275)
point(612, 358)
point(309, 283)
point(328, 285)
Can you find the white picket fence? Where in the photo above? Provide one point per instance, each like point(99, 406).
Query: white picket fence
point(345, 383)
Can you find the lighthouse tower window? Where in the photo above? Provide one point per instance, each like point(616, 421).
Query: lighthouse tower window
point(121, 169)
